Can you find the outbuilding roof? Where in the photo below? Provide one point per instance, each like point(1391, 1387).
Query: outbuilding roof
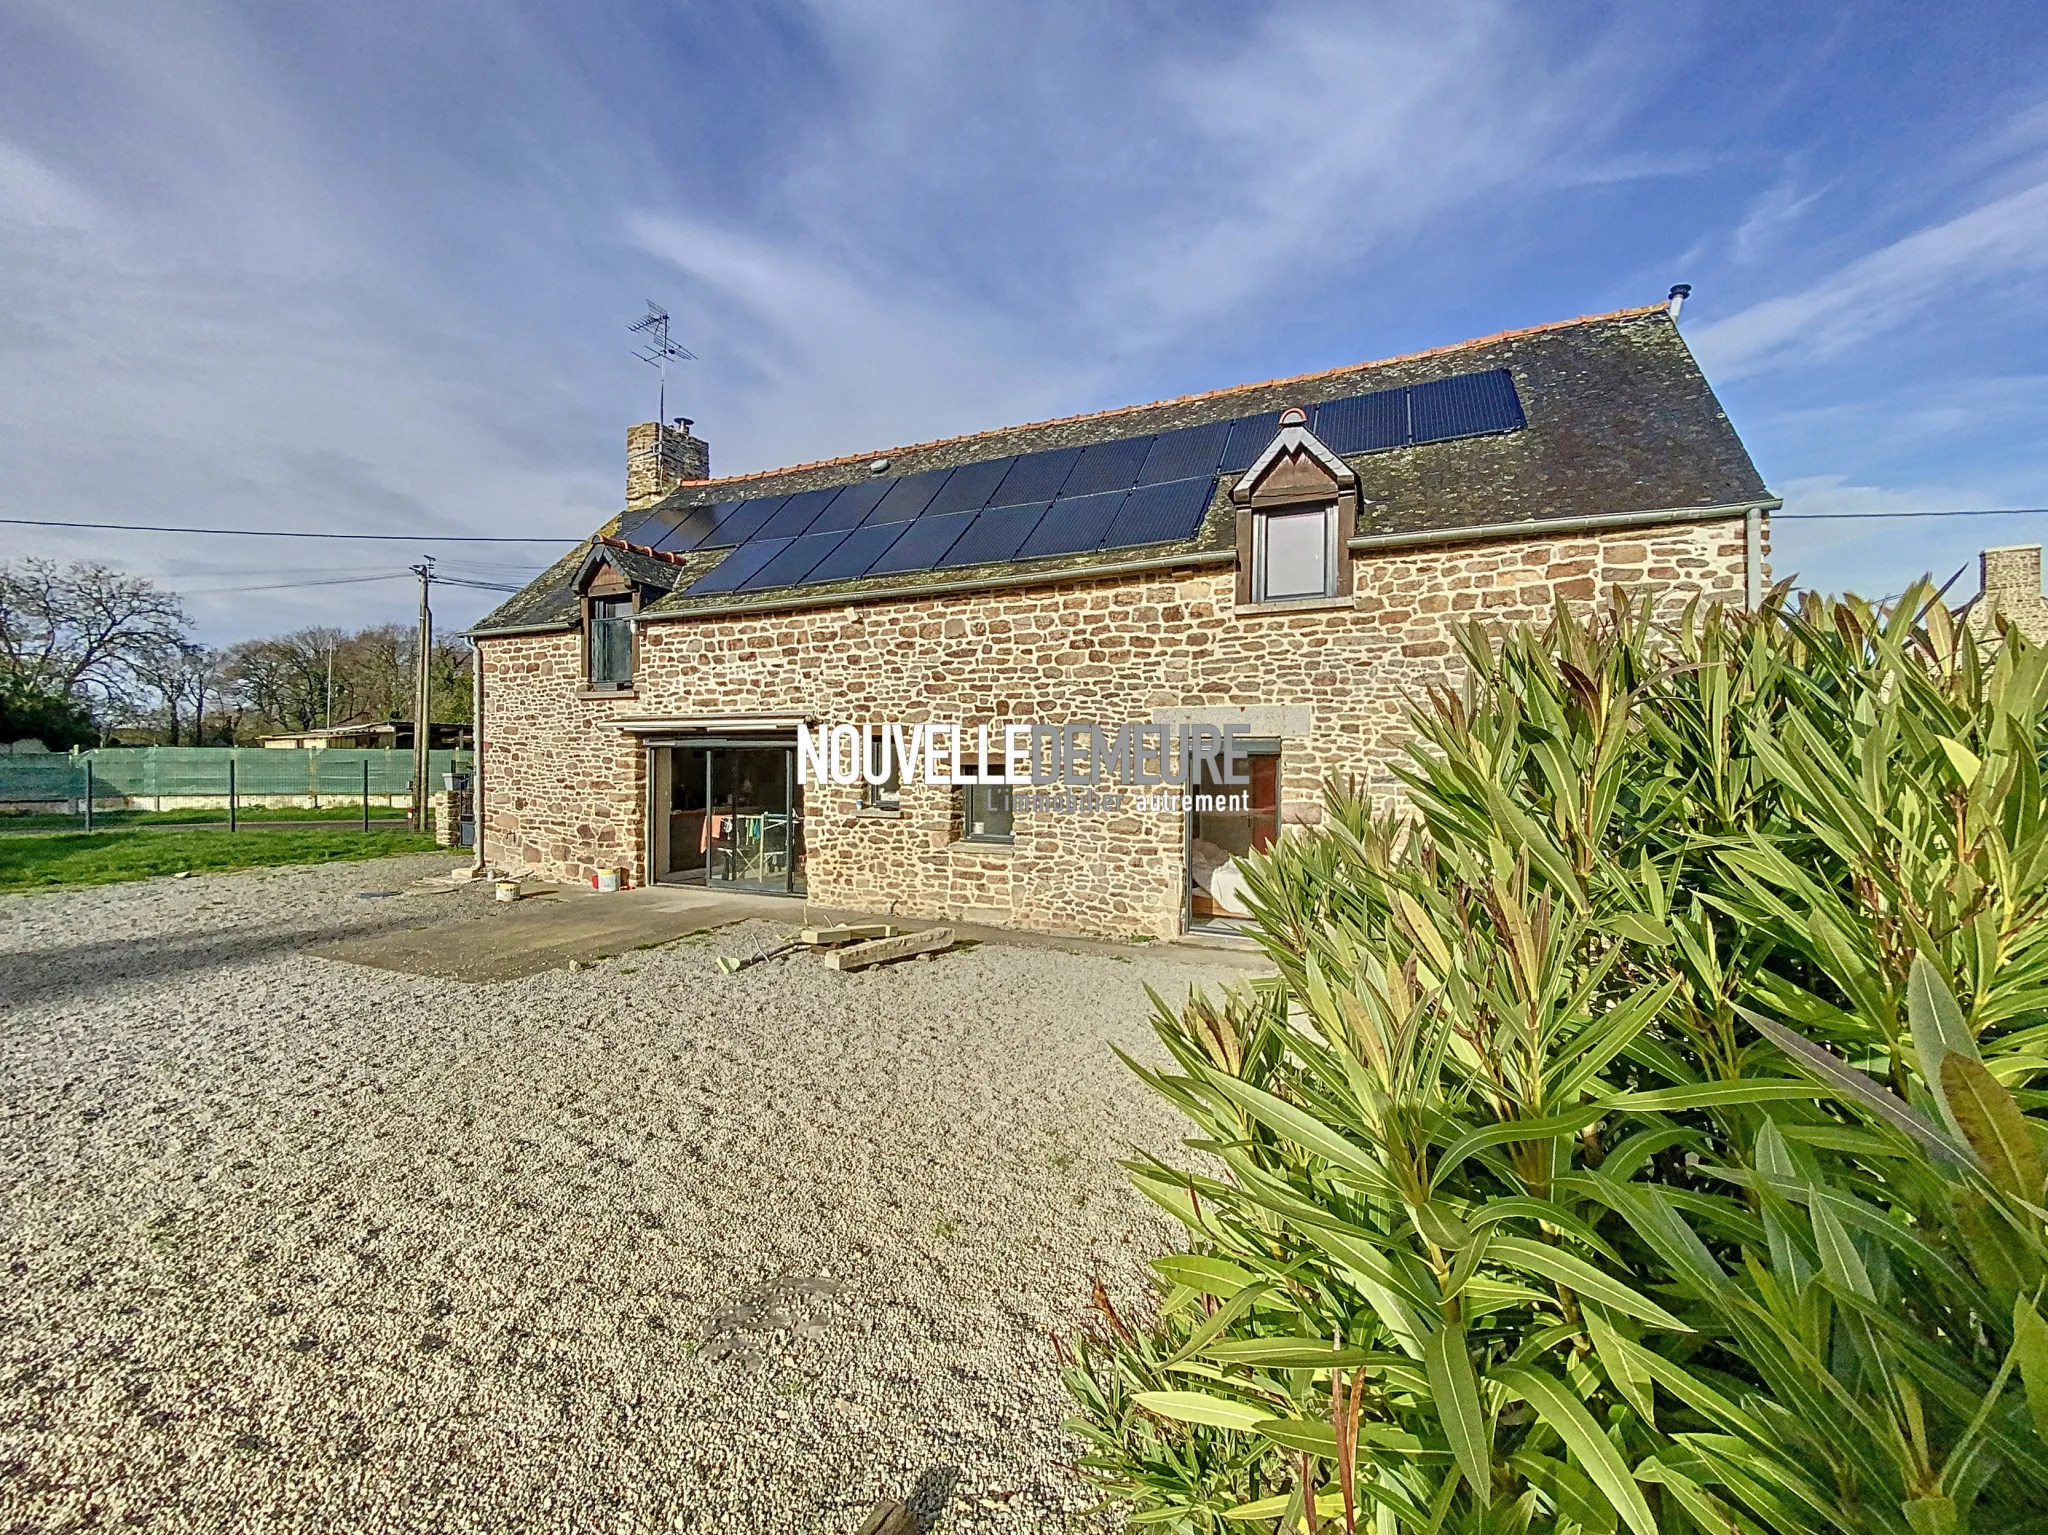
point(1602, 416)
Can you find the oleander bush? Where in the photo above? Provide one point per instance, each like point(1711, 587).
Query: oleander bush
point(1640, 1132)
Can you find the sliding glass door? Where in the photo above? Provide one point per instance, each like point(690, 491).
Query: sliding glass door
point(736, 816)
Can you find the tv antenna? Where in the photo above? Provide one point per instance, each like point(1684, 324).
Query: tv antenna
point(658, 349)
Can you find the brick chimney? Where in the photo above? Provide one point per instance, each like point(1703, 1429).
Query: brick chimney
point(658, 458)
point(2011, 590)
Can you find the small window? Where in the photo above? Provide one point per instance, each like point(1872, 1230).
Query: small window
point(888, 794)
point(611, 642)
point(985, 812)
point(1294, 554)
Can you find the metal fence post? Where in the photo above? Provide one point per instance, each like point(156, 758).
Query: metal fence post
point(88, 794)
point(231, 795)
point(366, 794)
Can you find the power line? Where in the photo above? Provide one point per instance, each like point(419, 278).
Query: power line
point(286, 586)
point(389, 538)
point(2021, 511)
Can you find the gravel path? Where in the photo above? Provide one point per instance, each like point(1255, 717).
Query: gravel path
point(291, 1245)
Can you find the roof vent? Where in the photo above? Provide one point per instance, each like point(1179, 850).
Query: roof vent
point(1294, 415)
point(1680, 292)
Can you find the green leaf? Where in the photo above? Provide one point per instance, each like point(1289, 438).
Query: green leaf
point(1962, 759)
point(1285, 1353)
point(1621, 1371)
point(1200, 1407)
point(1576, 1498)
point(1838, 1256)
point(1707, 1095)
point(1259, 1512)
point(1217, 1321)
point(1570, 1123)
point(1456, 1390)
point(1308, 1436)
point(1596, 1456)
point(1300, 1127)
point(1555, 1263)
point(2030, 1342)
point(1993, 1125)
point(1211, 1276)
point(1938, 1030)
point(1852, 1085)
point(1638, 928)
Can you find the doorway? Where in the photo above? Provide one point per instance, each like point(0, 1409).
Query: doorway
point(730, 816)
point(1216, 838)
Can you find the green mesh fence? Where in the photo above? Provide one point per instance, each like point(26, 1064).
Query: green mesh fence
point(148, 771)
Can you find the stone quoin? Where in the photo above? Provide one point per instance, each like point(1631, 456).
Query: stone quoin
point(1283, 562)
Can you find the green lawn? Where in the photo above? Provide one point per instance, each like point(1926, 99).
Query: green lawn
point(103, 857)
point(210, 817)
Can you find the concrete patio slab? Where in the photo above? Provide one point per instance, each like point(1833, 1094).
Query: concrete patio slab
point(548, 931)
point(568, 924)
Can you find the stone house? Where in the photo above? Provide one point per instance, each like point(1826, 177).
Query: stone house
point(1283, 560)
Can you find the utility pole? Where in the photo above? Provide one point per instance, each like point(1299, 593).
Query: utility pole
point(330, 682)
point(422, 697)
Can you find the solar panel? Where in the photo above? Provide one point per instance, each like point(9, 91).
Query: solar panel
point(1074, 524)
point(799, 514)
point(908, 497)
point(729, 572)
point(1152, 514)
point(860, 550)
point(1465, 406)
point(1108, 466)
point(736, 521)
point(1181, 455)
point(1248, 438)
point(968, 488)
point(995, 534)
point(1364, 422)
point(1036, 477)
point(922, 543)
point(850, 508)
point(646, 527)
point(791, 517)
point(680, 533)
point(797, 560)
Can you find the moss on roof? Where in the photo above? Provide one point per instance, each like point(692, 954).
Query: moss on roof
point(1620, 419)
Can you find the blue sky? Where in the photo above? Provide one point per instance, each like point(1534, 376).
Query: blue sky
point(369, 266)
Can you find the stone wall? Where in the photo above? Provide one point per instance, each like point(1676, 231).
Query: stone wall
point(565, 793)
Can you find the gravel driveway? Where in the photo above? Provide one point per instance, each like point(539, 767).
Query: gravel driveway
point(289, 1244)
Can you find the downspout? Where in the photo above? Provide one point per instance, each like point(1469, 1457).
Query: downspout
point(476, 753)
point(1753, 555)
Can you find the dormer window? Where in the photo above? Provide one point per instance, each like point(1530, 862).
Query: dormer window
point(617, 582)
point(610, 628)
point(1297, 504)
point(1294, 554)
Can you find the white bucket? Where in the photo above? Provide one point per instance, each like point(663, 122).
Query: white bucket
point(505, 890)
point(605, 879)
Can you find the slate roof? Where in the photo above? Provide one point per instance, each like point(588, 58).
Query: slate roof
point(1619, 419)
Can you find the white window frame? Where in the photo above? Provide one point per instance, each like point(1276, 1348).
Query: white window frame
point(1260, 520)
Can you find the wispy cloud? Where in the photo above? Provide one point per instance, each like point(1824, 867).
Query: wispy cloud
point(369, 267)
point(1885, 289)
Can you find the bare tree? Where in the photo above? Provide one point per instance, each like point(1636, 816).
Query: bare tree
point(181, 680)
point(282, 681)
point(84, 631)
